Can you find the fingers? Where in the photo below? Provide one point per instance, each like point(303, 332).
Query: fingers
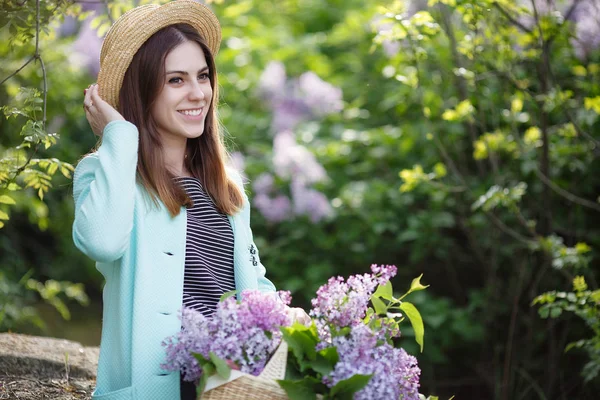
point(95, 96)
point(87, 99)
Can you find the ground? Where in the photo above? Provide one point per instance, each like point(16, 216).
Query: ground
point(39, 368)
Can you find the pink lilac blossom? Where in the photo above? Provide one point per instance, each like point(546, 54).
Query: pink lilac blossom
point(245, 333)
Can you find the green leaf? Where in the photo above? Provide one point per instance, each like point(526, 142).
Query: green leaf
point(3, 215)
point(227, 295)
point(223, 370)
point(415, 320)
point(303, 389)
point(302, 342)
point(345, 390)
point(385, 291)
point(380, 307)
point(325, 360)
point(7, 199)
point(415, 286)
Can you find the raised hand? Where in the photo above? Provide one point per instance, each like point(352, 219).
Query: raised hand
point(98, 112)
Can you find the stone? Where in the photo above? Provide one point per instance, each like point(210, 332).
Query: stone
point(33, 367)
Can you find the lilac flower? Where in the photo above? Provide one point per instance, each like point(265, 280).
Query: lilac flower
point(384, 272)
point(87, 46)
point(293, 160)
point(309, 201)
point(275, 209)
point(322, 97)
point(395, 374)
point(272, 81)
point(297, 100)
point(344, 303)
point(587, 28)
point(263, 184)
point(245, 333)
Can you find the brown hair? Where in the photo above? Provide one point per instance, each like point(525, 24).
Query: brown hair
point(205, 155)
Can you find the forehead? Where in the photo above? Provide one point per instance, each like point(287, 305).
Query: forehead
point(187, 55)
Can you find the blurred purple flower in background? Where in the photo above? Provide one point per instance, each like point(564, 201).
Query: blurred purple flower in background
point(274, 209)
point(88, 46)
point(309, 201)
point(293, 101)
point(292, 160)
point(321, 97)
point(587, 28)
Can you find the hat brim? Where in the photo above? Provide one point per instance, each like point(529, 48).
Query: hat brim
point(136, 26)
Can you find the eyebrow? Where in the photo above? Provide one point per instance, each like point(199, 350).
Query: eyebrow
point(185, 73)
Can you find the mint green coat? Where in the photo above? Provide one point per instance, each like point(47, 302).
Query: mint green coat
point(140, 250)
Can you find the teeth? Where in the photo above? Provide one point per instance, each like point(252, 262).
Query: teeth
point(193, 113)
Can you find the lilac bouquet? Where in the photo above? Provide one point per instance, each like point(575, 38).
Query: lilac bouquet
point(241, 335)
point(349, 352)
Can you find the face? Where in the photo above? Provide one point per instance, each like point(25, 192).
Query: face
point(181, 107)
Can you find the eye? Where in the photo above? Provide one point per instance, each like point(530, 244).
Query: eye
point(203, 76)
point(175, 80)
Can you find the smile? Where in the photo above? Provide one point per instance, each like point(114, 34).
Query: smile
point(191, 113)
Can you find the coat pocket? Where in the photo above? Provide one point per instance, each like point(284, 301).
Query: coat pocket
point(121, 394)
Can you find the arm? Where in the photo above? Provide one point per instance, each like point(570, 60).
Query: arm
point(104, 192)
point(264, 284)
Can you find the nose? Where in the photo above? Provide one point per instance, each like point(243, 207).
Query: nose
point(196, 92)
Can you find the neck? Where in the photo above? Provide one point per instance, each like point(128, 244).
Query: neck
point(174, 156)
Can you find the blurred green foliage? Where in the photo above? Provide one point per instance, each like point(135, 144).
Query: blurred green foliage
point(467, 149)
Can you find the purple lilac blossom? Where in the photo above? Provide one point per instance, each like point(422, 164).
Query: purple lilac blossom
point(88, 45)
point(322, 97)
point(245, 333)
point(272, 81)
point(295, 100)
point(276, 209)
point(293, 160)
point(309, 201)
point(587, 28)
point(395, 374)
point(263, 184)
point(344, 303)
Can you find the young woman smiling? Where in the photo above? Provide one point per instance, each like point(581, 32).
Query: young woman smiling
point(155, 206)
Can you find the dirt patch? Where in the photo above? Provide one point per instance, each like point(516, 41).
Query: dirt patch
point(37, 368)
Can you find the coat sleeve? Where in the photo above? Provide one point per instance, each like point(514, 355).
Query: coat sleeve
point(264, 284)
point(104, 193)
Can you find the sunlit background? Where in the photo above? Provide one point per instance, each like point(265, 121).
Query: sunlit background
point(459, 139)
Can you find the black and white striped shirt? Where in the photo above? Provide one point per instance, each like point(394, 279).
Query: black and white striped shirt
point(208, 251)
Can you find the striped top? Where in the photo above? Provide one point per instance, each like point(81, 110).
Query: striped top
point(208, 251)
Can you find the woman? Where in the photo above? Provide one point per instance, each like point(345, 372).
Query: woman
point(155, 206)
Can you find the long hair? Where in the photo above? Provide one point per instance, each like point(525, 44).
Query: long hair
point(205, 155)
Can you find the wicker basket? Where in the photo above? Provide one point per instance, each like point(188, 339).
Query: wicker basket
point(242, 386)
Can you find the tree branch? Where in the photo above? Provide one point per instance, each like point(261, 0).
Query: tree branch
point(511, 19)
point(19, 70)
point(567, 195)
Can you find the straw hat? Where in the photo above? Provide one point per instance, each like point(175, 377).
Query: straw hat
point(133, 28)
